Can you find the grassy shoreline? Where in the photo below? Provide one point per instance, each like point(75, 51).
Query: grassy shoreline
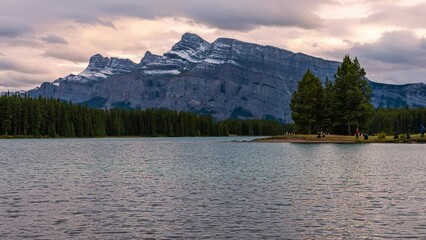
point(338, 139)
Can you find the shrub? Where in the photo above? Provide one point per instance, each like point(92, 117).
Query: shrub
point(381, 136)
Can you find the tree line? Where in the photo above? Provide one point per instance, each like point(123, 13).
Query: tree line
point(389, 121)
point(339, 107)
point(398, 120)
point(344, 105)
point(25, 116)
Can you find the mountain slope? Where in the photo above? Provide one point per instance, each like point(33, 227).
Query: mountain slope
point(398, 96)
point(227, 79)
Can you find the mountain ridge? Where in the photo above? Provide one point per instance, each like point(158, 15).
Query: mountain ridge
point(227, 78)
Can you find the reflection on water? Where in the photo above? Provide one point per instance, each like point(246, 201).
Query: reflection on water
point(209, 188)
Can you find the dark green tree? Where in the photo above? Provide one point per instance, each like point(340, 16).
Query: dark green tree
point(51, 131)
point(327, 111)
point(6, 115)
point(35, 119)
point(307, 103)
point(351, 100)
point(53, 118)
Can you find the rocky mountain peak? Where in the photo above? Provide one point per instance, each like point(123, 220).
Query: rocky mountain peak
point(191, 37)
point(120, 64)
point(149, 57)
point(190, 41)
point(227, 41)
point(100, 67)
point(148, 54)
point(190, 48)
point(97, 62)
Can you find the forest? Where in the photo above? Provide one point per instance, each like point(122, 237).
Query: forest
point(41, 117)
point(389, 121)
point(346, 103)
point(339, 107)
point(397, 120)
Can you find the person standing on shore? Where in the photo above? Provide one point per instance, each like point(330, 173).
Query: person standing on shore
point(409, 131)
point(422, 130)
point(356, 133)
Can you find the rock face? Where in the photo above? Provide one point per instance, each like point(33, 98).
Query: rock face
point(227, 79)
point(398, 96)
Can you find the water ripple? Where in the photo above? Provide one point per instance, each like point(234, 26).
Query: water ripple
point(209, 188)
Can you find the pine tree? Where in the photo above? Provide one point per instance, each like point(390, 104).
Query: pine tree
point(36, 119)
point(51, 132)
point(306, 103)
point(52, 118)
point(327, 111)
point(6, 114)
point(352, 107)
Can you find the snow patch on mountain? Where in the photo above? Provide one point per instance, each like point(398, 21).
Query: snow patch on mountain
point(214, 61)
point(184, 55)
point(99, 68)
point(161, 72)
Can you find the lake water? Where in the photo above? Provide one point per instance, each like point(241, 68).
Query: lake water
point(210, 188)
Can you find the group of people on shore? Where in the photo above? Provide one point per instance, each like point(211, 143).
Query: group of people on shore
point(422, 131)
point(358, 134)
point(395, 134)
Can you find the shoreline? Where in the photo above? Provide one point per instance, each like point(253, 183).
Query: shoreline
point(118, 137)
point(337, 139)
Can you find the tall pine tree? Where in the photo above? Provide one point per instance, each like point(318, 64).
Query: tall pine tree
point(327, 112)
point(306, 103)
point(351, 105)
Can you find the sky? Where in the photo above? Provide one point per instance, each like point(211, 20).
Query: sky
point(42, 40)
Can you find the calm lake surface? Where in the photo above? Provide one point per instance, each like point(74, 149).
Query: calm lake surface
point(210, 188)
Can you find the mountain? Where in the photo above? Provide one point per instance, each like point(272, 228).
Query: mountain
point(398, 96)
point(226, 78)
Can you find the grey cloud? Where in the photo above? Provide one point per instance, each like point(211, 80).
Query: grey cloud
point(28, 41)
point(13, 27)
point(397, 57)
point(22, 67)
point(25, 78)
point(409, 17)
point(224, 14)
point(245, 15)
point(55, 39)
point(67, 54)
point(423, 43)
point(17, 81)
point(399, 76)
point(84, 18)
point(6, 31)
point(138, 47)
point(398, 47)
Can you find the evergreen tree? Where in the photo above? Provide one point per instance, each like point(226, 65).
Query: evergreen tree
point(6, 114)
point(52, 118)
point(35, 119)
point(306, 103)
point(51, 132)
point(351, 105)
point(327, 111)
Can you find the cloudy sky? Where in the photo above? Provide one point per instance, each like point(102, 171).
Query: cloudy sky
point(41, 40)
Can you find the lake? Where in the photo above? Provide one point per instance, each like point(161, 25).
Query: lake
point(210, 188)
